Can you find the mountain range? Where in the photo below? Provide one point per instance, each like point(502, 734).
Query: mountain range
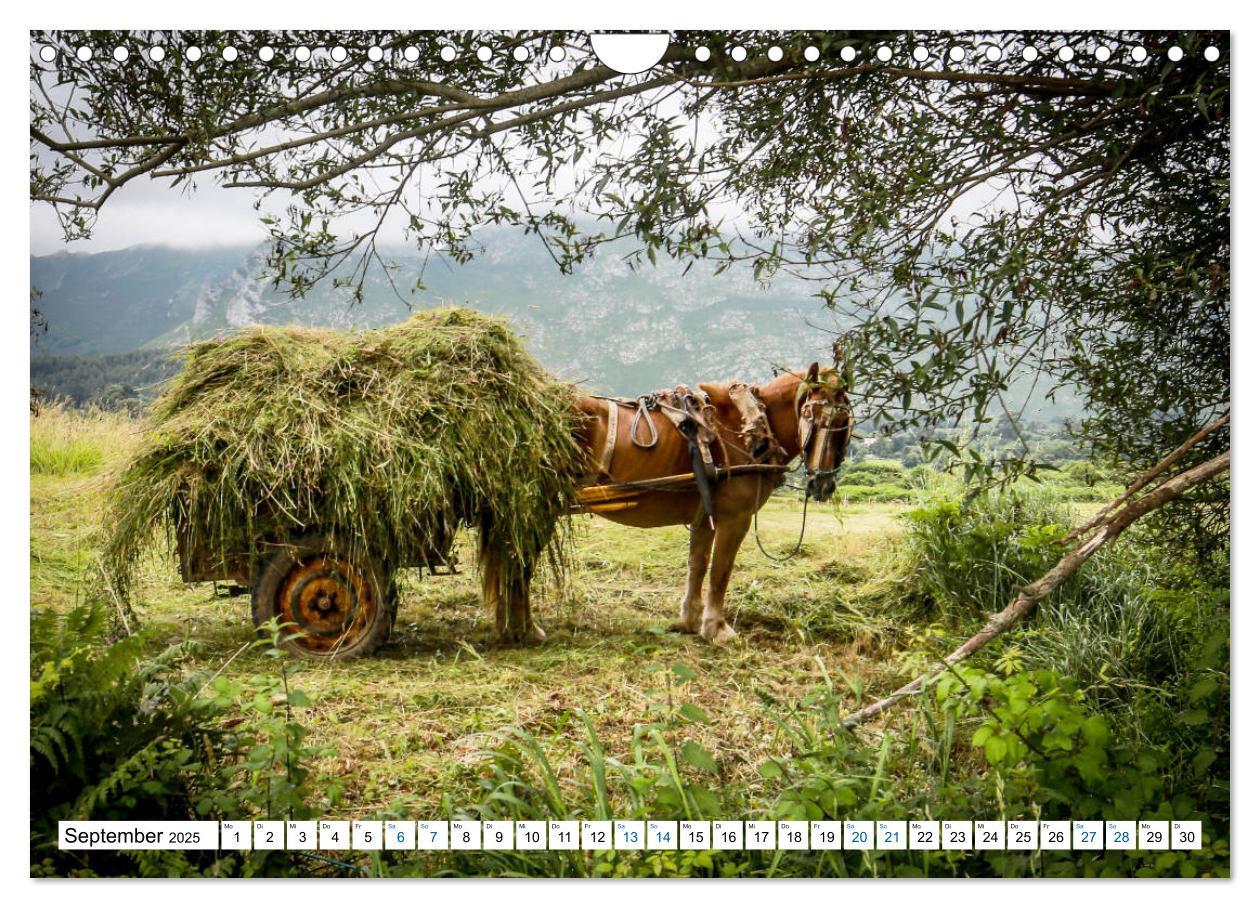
point(608, 326)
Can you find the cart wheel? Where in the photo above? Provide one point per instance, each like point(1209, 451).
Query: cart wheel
point(338, 608)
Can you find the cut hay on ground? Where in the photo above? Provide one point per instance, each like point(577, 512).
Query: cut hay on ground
point(386, 440)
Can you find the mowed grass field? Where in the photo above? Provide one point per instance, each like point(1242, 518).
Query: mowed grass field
point(408, 727)
point(613, 715)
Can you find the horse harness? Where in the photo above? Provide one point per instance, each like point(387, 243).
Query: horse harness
point(695, 418)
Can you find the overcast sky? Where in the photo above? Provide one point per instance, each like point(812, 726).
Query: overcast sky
point(147, 212)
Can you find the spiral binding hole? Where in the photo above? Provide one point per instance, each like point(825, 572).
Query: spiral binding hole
point(956, 53)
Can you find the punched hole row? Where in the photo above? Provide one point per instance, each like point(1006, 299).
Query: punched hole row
point(849, 54)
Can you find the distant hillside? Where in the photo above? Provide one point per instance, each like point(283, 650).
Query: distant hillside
point(113, 316)
point(115, 302)
point(606, 326)
point(117, 381)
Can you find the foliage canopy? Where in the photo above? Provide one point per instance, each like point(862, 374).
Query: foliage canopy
point(972, 210)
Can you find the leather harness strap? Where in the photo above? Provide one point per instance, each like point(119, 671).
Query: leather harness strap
point(755, 430)
point(610, 441)
point(643, 405)
point(694, 416)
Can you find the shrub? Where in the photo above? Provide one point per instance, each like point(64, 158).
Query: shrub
point(881, 492)
point(968, 558)
point(118, 734)
point(1050, 755)
point(871, 472)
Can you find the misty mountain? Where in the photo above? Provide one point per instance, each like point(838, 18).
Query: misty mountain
point(112, 316)
point(607, 326)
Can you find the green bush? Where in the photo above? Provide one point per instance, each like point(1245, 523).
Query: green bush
point(966, 559)
point(1024, 746)
point(1118, 631)
point(881, 492)
point(119, 734)
point(871, 472)
point(1049, 754)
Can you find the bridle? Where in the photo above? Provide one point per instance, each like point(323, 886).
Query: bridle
point(813, 421)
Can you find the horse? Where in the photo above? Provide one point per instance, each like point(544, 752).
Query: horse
point(806, 414)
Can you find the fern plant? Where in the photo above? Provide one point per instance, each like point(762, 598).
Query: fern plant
point(119, 734)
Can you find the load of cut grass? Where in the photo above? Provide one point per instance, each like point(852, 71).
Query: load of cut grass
point(386, 441)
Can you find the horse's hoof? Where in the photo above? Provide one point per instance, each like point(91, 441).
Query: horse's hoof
point(682, 627)
point(718, 634)
point(522, 636)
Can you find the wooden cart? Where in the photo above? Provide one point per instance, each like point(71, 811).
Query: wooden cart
point(335, 604)
point(331, 603)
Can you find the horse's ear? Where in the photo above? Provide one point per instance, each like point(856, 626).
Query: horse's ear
point(812, 376)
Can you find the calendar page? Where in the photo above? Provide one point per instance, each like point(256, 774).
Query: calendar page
point(623, 452)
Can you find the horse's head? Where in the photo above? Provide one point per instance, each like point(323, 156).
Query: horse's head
point(825, 423)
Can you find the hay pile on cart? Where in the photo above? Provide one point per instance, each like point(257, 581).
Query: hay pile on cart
point(310, 465)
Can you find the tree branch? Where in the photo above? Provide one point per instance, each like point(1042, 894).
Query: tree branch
point(1034, 592)
point(1145, 478)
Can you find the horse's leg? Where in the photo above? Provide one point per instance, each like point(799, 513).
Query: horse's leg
point(697, 565)
point(521, 626)
point(730, 533)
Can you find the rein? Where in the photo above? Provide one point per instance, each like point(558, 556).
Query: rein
point(810, 476)
point(800, 539)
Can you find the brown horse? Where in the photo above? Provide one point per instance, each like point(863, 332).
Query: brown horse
point(808, 415)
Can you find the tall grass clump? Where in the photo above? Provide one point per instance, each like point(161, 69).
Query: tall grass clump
point(1123, 624)
point(387, 441)
point(66, 441)
point(967, 558)
point(1117, 630)
point(64, 457)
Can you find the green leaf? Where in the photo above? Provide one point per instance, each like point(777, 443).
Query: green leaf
point(697, 756)
point(683, 672)
point(693, 713)
point(770, 770)
point(995, 750)
point(1202, 760)
point(1202, 689)
point(1194, 717)
point(1095, 730)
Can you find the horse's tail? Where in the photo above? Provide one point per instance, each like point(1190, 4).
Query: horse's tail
point(491, 564)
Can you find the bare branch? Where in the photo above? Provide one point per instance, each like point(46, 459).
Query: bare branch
point(1034, 592)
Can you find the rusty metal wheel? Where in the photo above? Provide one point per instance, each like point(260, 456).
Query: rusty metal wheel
point(331, 606)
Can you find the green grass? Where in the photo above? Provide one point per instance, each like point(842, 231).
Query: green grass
point(68, 442)
point(434, 724)
point(51, 457)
